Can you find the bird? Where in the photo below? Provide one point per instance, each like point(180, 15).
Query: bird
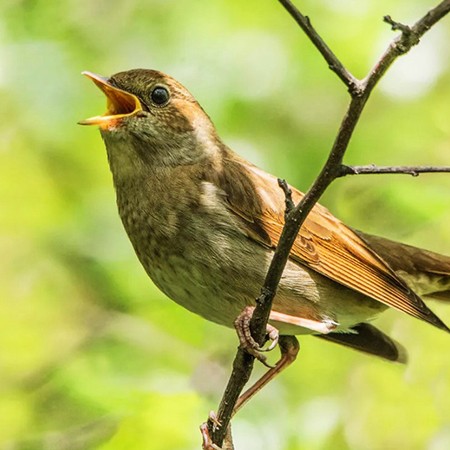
point(204, 223)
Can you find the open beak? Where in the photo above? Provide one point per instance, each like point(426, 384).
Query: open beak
point(119, 103)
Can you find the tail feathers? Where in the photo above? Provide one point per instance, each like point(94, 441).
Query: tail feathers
point(368, 339)
point(426, 273)
point(443, 296)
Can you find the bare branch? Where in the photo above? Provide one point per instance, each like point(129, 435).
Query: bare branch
point(409, 37)
point(288, 196)
point(242, 369)
point(334, 64)
point(333, 168)
point(405, 170)
point(397, 25)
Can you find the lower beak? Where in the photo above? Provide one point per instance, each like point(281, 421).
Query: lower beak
point(119, 103)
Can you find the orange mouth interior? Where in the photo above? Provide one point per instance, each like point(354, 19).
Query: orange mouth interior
point(119, 103)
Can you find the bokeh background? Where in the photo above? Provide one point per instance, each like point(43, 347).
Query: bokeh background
point(92, 356)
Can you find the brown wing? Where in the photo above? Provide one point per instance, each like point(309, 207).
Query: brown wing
point(323, 244)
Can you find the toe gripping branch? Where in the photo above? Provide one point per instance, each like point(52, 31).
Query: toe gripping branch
point(248, 343)
point(289, 348)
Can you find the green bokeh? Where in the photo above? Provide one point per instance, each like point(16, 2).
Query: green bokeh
point(92, 356)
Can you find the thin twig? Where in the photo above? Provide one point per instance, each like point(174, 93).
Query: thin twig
point(405, 170)
point(403, 43)
point(397, 25)
point(333, 168)
point(334, 64)
point(290, 205)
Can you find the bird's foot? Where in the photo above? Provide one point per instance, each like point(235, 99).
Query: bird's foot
point(247, 342)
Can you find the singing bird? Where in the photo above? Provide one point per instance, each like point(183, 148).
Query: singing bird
point(204, 223)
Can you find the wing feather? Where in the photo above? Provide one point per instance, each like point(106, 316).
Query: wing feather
point(323, 244)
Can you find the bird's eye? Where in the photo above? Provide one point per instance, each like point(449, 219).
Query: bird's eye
point(160, 95)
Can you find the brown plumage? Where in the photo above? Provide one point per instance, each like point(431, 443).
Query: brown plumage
point(204, 223)
point(427, 273)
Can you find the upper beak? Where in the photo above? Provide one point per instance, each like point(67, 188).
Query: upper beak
point(119, 103)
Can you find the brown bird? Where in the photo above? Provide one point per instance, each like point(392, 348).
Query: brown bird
point(204, 223)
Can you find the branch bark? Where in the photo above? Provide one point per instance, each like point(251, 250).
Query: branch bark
point(359, 91)
point(334, 64)
point(372, 169)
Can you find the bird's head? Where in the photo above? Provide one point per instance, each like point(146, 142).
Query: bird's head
point(151, 116)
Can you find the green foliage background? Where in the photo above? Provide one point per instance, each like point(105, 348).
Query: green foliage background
point(92, 356)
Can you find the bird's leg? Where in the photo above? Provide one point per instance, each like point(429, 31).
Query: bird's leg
point(289, 348)
point(242, 326)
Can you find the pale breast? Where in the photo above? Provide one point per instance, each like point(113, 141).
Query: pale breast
point(189, 250)
point(195, 252)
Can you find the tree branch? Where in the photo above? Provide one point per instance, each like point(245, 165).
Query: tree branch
point(360, 91)
point(405, 170)
point(334, 64)
point(290, 205)
point(409, 37)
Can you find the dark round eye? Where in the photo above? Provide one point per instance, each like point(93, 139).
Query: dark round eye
point(160, 95)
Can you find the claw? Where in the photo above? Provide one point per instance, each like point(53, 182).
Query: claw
point(242, 325)
point(274, 336)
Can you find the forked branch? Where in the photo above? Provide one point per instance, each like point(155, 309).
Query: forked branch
point(360, 91)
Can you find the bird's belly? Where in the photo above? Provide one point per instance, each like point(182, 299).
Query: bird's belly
point(217, 274)
point(219, 292)
point(199, 279)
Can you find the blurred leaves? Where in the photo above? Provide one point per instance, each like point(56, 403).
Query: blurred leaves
point(91, 354)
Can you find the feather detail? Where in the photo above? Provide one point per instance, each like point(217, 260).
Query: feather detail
point(369, 339)
point(323, 244)
point(427, 273)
